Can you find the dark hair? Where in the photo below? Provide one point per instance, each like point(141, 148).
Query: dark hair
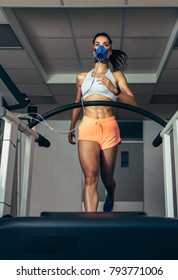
point(104, 35)
point(118, 58)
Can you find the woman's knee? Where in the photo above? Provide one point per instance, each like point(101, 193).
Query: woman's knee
point(108, 181)
point(91, 179)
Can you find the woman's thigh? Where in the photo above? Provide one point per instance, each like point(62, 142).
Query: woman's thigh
point(89, 156)
point(107, 162)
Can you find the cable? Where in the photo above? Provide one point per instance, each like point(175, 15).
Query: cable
point(94, 76)
point(82, 99)
point(83, 107)
point(44, 122)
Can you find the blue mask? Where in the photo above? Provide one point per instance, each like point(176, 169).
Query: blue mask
point(101, 54)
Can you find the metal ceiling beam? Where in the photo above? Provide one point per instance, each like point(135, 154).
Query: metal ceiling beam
point(168, 49)
point(15, 25)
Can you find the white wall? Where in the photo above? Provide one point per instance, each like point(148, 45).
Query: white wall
point(56, 182)
point(153, 172)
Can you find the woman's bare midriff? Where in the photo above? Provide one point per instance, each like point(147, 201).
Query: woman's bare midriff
point(98, 112)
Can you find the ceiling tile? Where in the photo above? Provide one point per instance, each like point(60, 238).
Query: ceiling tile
point(24, 76)
point(169, 76)
point(142, 89)
point(64, 90)
point(149, 22)
point(147, 65)
point(85, 47)
point(87, 64)
point(144, 47)
point(15, 59)
point(34, 89)
point(67, 66)
point(173, 60)
point(41, 22)
point(142, 99)
point(164, 98)
point(155, 3)
point(54, 48)
point(93, 3)
point(98, 22)
point(31, 3)
point(166, 89)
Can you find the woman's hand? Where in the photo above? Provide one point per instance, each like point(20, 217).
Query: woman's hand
point(71, 135)
point(107, 82)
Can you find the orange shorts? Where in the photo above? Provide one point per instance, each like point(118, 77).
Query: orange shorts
point(105, 131)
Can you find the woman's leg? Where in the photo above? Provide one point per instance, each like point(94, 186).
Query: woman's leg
point(107, 164)
point(89, 156)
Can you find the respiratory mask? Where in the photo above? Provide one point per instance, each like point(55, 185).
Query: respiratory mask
point(100, 54)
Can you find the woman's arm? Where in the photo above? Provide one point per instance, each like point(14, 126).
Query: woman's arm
point(122, 90)
point(76, 112)
point(126, 95)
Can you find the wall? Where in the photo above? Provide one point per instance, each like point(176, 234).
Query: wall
point(57, 177)
point(129, 179)
point(153, 172)
point(56, 182)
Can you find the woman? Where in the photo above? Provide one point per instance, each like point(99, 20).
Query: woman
point(99, 134)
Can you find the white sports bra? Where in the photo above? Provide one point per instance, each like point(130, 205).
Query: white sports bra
point(91, 86)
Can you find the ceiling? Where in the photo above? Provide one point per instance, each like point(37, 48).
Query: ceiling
point(44, 44)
